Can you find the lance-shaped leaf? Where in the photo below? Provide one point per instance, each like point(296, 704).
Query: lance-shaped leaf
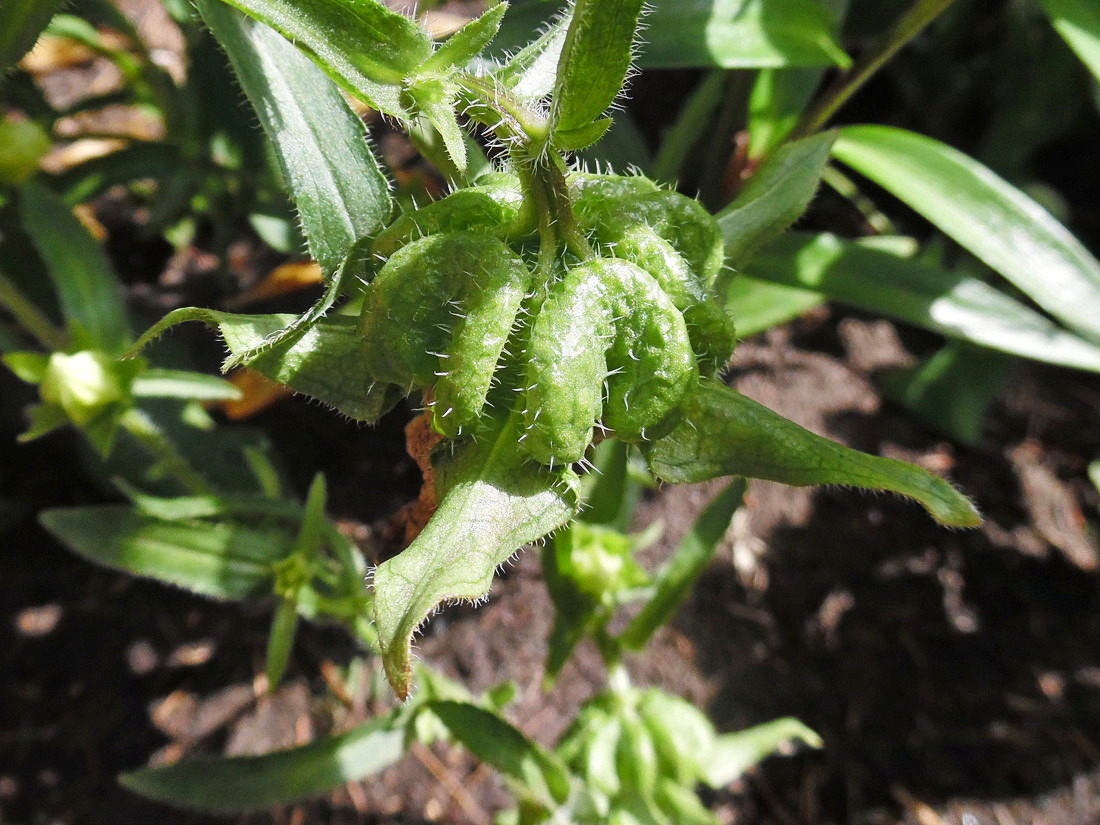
point(533, 769)
point(1078, 21)
point(676, 577)
point(594, 61)
point(870, 276)
point(248, 783)
point(333, 177)
point(986, 215)
point(324, 361)
point(161, 383)
point(492, 502)
point(90, 296)
point(224, 560)
point(21, 21)
point(774, 197)
point(365, 47)
point(466, 43)
point(724, 433)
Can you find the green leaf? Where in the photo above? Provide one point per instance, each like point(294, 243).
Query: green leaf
point(492, 502)
point(246, 783)
point(953, 389)
point(91, 299)
point(531, 73)
point(870, 277)
point(760, 305)
point(27, 366)
point(992, 219)
point(494, 741)
point(734, 753)
point(466, 43)
point(333, 176)
point(366, 48)
point(324, 361)
point(774, 197)
point(21, 21)
point(741, 34)
point(222, 560)
point(778, 99)
point(594, 61)
point(724, 433)
point(1078, 21)
point(161, 383)
point(677, 576)
point(280, 642)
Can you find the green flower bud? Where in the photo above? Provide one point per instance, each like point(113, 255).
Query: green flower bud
point(82, 384)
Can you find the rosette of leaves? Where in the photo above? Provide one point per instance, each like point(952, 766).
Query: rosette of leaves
point(535, 309)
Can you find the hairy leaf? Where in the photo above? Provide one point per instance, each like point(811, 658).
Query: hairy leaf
point(365, 47)
point(468, 42)
point(492, 502)
point(495, 742)
point(725, 433)
point(531, 73)
point(985, 214)
point(774, 197)
point(246, 783)
point(224, 560)
point(870, 277)
point(324, 361)
point(330, 170)
point(594, 61)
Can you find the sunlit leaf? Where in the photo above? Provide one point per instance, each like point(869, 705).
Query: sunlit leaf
point(223, 560)
point(734, 753)
point(1078, 21)
point(594, 61)
point(871, 277)
point(985, 214)
point(492, 502)
point(725, 433)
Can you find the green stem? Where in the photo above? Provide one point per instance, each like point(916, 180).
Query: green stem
point(908, 26)
point(30, 317)
point(152, 437)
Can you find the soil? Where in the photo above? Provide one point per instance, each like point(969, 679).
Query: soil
point(954, 676)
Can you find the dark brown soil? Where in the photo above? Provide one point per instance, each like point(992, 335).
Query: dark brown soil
point(954, 676)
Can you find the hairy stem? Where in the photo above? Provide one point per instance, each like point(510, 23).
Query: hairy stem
point(908, 26)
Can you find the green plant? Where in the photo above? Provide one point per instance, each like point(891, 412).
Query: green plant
point(539, 308)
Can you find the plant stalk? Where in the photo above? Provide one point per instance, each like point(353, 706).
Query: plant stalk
point(145, 430)
point(908, 26)
point(30, 317)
